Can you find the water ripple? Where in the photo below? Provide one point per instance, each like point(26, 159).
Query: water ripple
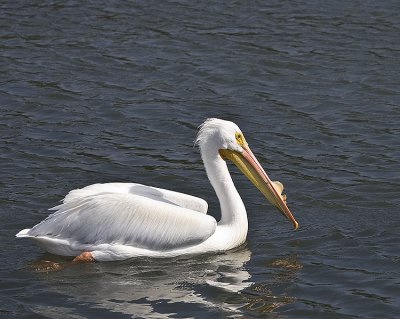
point(103, 92)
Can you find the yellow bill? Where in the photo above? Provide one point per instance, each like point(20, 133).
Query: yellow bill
point(251, 168)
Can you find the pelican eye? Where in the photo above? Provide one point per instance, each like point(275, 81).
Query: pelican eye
point(240, 139)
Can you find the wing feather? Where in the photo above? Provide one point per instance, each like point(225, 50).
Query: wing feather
point(164, 195)
point(127, 219)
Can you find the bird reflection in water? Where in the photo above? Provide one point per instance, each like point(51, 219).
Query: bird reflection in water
point(163, 287)
point(264, 297)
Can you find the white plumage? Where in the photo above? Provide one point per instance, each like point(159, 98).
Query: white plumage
point(122, 220)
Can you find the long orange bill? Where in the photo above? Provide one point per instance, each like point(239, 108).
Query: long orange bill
point(249, 166)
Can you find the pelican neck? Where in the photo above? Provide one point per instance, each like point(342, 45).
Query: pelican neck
point(232, 207)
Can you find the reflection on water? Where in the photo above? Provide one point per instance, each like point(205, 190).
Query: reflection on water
point(288, 267)
point(150, 288)
point(266, 301)
point(144, 287)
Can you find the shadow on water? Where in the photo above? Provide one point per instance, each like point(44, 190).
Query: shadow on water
point(150, 288)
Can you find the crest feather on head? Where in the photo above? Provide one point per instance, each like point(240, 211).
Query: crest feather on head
point(208, 128)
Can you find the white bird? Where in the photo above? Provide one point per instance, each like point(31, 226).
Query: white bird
point(116, 221)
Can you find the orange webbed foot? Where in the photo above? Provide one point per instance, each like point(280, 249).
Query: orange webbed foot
point(85, 257)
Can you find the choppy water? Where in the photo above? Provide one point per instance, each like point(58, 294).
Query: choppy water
point(102, 91)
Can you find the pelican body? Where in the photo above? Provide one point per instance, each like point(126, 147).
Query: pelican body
point(116, 221)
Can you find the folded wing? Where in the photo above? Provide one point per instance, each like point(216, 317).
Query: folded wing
point(159, 194)
point(127, 219)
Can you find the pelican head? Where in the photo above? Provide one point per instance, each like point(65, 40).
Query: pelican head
point(220, 139)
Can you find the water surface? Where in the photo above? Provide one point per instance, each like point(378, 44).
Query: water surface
point(108, 91)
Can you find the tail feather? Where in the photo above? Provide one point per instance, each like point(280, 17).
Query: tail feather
point(23, 233)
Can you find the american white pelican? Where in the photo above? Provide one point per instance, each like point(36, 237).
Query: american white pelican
point(117, 221)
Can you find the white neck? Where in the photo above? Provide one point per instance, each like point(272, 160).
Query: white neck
point(233, 212)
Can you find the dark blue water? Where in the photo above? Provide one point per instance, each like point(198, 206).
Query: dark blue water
point(103, 91)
